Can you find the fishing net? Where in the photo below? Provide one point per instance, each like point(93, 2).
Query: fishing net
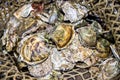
point(8, 70)
point(107, 10)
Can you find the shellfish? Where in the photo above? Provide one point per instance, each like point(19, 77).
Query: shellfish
point(73, 12)
point(32, 49)
point(63, 35)
point(24, 11)
point(59, 61)
point(76, 52)
point(109, 69)
point(41, 70)
point(103, 47)
point(10, 36)
point(87, 36)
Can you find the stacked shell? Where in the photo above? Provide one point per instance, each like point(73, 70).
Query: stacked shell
point(65, 44)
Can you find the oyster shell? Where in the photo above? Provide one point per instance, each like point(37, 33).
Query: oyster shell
point(103, 47)
point(32, 49)
point(109, 69)
point(41, 70)
point(87, 36)
point(63, 35)
point(49, 16)
point(73, 12)
point(24, 11)
point(97, 27)
point(76, 52)
point(59, 61)
point(10, 36)
point(53, 16)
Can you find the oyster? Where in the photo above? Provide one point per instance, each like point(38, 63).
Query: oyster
point(109, 69)
point(41, 70)
point(63, 35)
point(50, 16)
point(76, 52)
point(32, 49)
point(10, 36)
point(59, 61)
point(24, 11)
point(103, 47)
point(87, 36)
point(73, 12)
point(97, 27)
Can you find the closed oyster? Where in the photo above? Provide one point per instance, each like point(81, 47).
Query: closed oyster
point(73, 12)
point(32, 49)
point(103, 47)
point(24, 11)
point(87, 36)
point(63, 35)
point(59, 61)
point(109, 69)
point(41, 70)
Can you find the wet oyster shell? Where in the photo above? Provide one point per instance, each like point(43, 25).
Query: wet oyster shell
point(59, 61)
point(10, 36)
point(24, 11)
point(73, 12)
point(76, 52)
point(41, 70)
point(109, 69)
point(32, 49)
point(63, 35)
point(87, 36)
point(103, 47)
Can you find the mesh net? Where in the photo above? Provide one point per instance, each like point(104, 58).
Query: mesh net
point(107, 10)
point(8, 70)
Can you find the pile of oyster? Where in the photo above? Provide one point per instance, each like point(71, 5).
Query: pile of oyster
point(48, 39)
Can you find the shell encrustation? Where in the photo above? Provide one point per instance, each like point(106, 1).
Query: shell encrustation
point(32, 49)
point(63, 35)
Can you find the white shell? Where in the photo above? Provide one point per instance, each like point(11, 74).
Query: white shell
point(109, 69)
point(41, 70)
point(73, 13)
point(59, 61)
point(53, 17)
point(24, 11)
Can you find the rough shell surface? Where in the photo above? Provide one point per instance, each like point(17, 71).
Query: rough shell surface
point(10, 36)
point(87, 36)
point(63, 35)
point(24, 11)
point(76, 52)
point(72, 13)
point(103, 47)
point(41, 70)
point(59, 61)
point(109, 69)
point(32, 49)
